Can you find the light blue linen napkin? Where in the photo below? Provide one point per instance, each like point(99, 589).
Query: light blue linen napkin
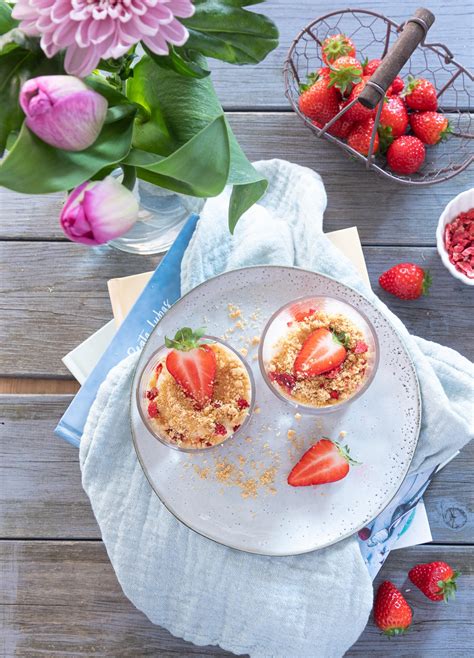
point(307, 606)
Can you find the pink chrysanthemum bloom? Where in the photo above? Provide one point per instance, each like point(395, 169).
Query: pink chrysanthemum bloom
point(90, 30)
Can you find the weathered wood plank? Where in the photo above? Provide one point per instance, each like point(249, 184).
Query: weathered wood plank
point(384, 211)
point(84, 612)
point(261, 86)
point(54, 295)
point(41, 493)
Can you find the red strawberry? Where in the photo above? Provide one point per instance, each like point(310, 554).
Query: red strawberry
point(436, 580)
point(153, 409)
point(406, 281)
point(326, 461)
point(396, 87)
point(430, 127)
point(371, 66)
point(406, 154)
point(393, 120)
point(345, 73)
point(192, 364)
point(357, 112)
point(420, 94)
point(302, 310)
point(392, 614)
point(340, 128)
point(319, 101)
point(321, 351)
point(359, 138)
point(336, 46)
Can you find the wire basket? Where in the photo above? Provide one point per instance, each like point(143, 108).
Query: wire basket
point(404, 51)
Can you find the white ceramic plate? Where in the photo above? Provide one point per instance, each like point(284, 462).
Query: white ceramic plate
point(381, 429)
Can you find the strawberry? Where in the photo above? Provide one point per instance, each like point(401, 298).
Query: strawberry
point(357, 112)
point(393, 121)
point(192, 364)
point(336, 46)
point(345, 73)
point(396, 87)
point(371, 66)
point(406, 154)
point(326, 461)
point(430, 127)
point(302, 310)
point(406, 281)
point(359, 138)
point(437, 580)
point(340, 128)
point(420, 94)
point(319, 101)
point(321, 351)
point(392, 614)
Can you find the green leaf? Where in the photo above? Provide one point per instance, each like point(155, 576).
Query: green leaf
point(224, 30)
point(173, 123)
point(17, 66)
point(7, 23)
point(179, 62)
point(34, 167)
point(198, 168)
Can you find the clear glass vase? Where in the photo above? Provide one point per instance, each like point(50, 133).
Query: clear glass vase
point(161, 216)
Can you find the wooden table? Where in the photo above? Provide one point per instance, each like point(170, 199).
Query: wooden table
point(60, 595)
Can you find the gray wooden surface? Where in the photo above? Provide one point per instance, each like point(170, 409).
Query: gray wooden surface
point(59, 595)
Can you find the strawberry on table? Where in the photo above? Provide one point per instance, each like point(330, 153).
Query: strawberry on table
point(406, 281)
point(437, 580)
point(392, 614)
point(321, 351)
point(420, 94)
point(430, 127)
point(345, 73)
point(393, 121)
point(318, 100)
point(326, 461)
point(192, 364)
point(406, 154)
point(360, 136)
point(336, 46)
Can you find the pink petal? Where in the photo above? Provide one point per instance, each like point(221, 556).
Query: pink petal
point(82, 61)
point(175, 33)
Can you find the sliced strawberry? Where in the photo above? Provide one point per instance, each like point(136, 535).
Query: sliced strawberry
point(192, 364)
point(322, 351)
point(326, 461)
point(302, 310)
point(153, 410)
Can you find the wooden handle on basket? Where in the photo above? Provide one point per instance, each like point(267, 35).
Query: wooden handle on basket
point(413, 33)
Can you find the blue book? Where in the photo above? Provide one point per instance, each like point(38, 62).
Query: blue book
point(161, 292)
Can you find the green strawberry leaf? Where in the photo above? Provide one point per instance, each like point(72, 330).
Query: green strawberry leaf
point(185, 339)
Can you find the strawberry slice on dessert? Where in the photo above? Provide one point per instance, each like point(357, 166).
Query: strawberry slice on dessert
point(322, 351)
point(192, 364)
point(326, 461)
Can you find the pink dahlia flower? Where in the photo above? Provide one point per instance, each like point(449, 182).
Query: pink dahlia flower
point(90, 30)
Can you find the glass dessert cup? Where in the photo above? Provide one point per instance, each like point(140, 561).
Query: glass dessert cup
point(217, 410)
point(331, 390)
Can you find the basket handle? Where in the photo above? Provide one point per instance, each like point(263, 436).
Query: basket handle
point(413, 33)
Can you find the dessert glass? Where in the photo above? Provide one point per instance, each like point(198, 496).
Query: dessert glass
point(142, 401)
point(283, 323)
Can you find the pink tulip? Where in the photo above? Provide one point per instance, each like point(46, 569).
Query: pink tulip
point(99, 211)
point(63, 111)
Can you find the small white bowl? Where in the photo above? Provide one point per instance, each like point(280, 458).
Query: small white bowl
point(461, 203)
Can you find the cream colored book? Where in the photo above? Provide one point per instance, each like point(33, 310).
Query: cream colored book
point(125, 291)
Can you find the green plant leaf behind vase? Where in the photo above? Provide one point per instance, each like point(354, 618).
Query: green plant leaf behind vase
point(179, 109)
point(224, 30)
point(198, 168)
point(34, 167)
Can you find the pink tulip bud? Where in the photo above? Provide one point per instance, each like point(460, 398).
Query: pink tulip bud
point(99, 211)
point(63, 111)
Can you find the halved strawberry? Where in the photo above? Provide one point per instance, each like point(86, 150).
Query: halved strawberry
point(326, 461)
point(322, 351)
point(192, 364)
point(304, 309)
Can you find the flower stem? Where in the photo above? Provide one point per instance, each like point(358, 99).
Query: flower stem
point(129, 176)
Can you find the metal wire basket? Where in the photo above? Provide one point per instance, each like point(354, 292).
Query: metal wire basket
point(404, 51)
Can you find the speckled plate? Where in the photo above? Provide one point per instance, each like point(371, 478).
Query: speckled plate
point(237, 493)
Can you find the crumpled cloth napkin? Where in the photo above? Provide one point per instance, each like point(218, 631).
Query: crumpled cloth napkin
point(307, 606)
